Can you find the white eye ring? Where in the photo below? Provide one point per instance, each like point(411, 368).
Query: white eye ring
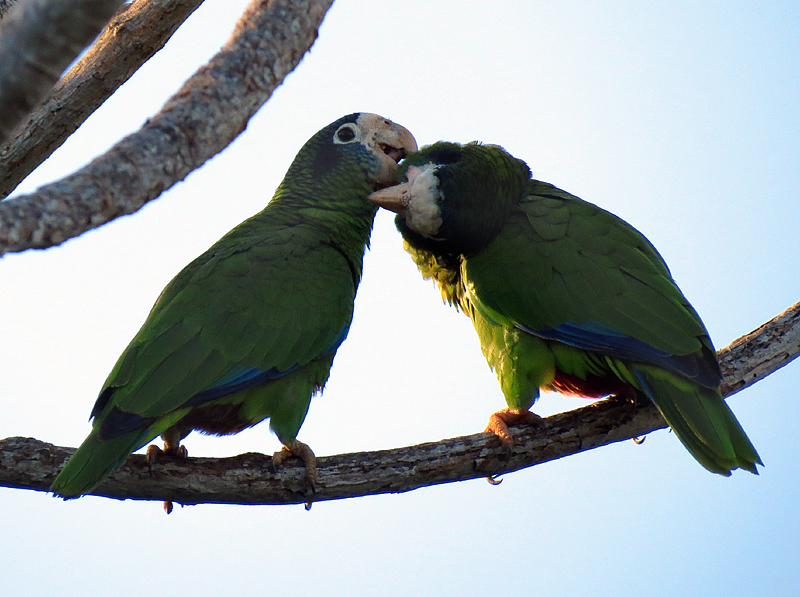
point(347, 133)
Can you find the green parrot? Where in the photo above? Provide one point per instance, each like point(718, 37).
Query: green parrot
point(249, 329)
point(564, 296)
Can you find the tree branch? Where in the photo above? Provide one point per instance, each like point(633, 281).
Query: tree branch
point(206, 114)
point(249, 478)
point(38, 40)
point(764, 350)
point(5, 5)
point(129, 40)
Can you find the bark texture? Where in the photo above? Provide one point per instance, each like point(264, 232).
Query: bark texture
point(199, 121)
point(753, 356)
point(38, 40)
point(28, 463)
point(5, 5)
point(128, 41)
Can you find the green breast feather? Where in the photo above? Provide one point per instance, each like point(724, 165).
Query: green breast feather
point(249, 329)
point(563, 295)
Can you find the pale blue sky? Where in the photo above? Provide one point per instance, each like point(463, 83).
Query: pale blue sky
point(680, 117)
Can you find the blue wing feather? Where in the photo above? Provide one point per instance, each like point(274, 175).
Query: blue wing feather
point(240, 377)
point(599, 339)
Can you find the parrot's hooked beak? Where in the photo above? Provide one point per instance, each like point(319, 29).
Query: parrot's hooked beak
point(389, 141)
point(392, 198)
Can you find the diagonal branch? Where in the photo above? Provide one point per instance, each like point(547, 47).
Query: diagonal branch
point(5, 5)
point(249, 478)
point(38, 40)
point(764, 350)
point(129, 40)
point(199, 121)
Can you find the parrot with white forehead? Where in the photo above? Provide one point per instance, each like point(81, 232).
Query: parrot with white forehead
point(249, 329)
point(564, 296)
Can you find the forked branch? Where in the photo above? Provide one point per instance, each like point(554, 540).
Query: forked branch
point(199, 121)
point(130, 39)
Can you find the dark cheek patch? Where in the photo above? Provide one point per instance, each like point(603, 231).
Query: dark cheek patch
point(327, 159)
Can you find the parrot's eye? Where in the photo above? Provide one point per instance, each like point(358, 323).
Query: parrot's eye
point(347, 133)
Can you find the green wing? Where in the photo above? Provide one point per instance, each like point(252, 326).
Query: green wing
point(575, 273)
point(249, 329)
point(254, 322)
point(565, 296)
point(271, 302)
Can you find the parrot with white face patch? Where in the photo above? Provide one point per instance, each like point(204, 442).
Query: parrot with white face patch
point(564, 296)
point(249, 329)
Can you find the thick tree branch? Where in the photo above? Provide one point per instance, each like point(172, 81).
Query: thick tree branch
point(206, 114)
point(249, 478)
point(38, 40)
point(128, 41)
point(764, 350)
point(5, 5)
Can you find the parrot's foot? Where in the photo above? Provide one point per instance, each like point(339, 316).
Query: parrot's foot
point(502, 419)
point(172, 448)
point(304, 453)
point(154, 453)
point(630, 395)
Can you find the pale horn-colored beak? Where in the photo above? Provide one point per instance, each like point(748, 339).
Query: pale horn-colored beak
point(392, 198)
point(389, 141)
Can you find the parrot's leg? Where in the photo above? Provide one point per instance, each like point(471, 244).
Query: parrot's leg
point(636, 399)
point(172, 447)
point(502, 419)
point(304, 453)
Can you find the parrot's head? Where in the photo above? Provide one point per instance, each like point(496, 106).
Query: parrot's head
point(359, 147)
point(455, 198)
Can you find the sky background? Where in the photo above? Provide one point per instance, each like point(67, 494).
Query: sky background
point(680, 117)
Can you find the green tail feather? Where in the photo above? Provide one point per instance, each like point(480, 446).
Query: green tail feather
point(701, 420)
point(94, 461)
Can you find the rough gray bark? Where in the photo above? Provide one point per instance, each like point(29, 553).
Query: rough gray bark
point(199, 121)
point(757, 354)
point(5, 5)
point(128, 41)
point(38, 40)
point(249, 478)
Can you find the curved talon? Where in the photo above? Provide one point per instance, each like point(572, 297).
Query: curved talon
point(279, 457)
point(170, 449)
point(304, 453)
point(639, 440)
point(500, 429)
point(152, 454)
point(494, 480)
point(500, 421)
